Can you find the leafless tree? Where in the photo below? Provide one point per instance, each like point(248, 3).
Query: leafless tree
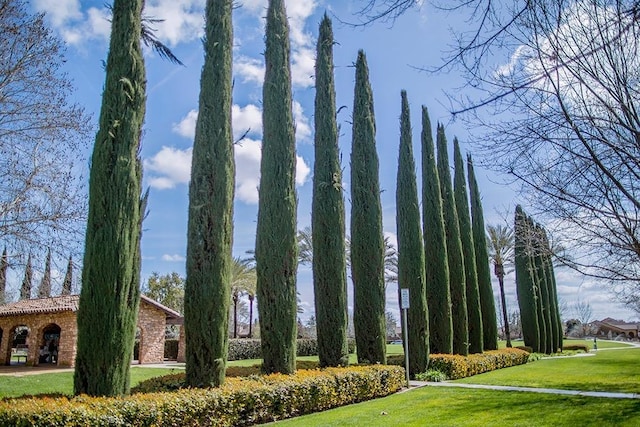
point(584, 314)
point(42, 136)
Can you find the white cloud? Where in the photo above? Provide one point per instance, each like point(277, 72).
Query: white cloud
point(59, 12)
point(182, 20)
point(173, 258)
point(171, 166)
point(303, 127)
point(187, 126)
point(246, 119)
point(250, 69)
point(303, 62)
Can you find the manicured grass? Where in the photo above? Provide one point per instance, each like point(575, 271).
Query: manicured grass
point(589, 343)
point(464, 407)
point(62, 382)
point(608, 370)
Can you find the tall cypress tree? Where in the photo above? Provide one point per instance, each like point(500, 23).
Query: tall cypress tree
point(487, 303)
point(327, 214)
point(44, 290)
point(457, 281)
point(474, 314)
point(276, 244)
point(110, 294)
point(541, 273)
point(525, 286)
point(68, 278)
point(367, 242)
point(25, 289)
point(435, 248)
point(210, 226)
point(532, 249)
point(411, 273)
point(4, 265)
point(553, 294)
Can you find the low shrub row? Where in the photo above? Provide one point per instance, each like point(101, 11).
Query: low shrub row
point(576, 347)
point(455, 366)
point(242, 349)
point(240, 402)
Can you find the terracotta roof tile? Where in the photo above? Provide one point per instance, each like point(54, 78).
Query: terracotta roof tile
point(41, 305)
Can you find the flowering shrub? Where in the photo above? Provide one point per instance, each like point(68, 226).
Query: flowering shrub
point(239, 402)
point(455, 366)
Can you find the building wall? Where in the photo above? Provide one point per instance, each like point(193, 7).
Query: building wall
point(151, 322)
point(37, 323)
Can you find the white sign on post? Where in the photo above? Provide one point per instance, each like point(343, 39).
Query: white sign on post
point(404, 298)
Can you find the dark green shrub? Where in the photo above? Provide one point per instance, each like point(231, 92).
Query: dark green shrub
point(171, 349)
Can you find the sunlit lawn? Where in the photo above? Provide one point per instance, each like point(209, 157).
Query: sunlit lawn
point(607, 370)
point(439, 406)
point(589, 343)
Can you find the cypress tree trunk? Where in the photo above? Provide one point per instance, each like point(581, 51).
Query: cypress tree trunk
point(487, 303)
point(367, 242)
point(435, 248)
point(4, 265)
point(457, 281)
point(210, 226)
point(110, 293)
point(276, 243)
point(553, 295)
point(68, 278)
point(25, 289)
point(44, 290)
point(539, 254)
point(327, 214)
point(411, 273)
point(525, 287)
point(474, 314)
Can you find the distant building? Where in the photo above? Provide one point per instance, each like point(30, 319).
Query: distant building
point(36, 329)
point(612, 328)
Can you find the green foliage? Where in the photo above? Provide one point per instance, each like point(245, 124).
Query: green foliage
point(67, 283)
point(435, 247)
point(432, 375)
point(110, 294)
point(485, 290)
point(367, 242)
point(25, 288)
point(457, 281)
point(327, 214)
point(253, 400)
point(276, 245)
point(44, 290)
point(411, 273)
point(525, 285)
point(167, 289)
point(210, 226)
point(455, 366)
point(474, 314)
point(4, 265)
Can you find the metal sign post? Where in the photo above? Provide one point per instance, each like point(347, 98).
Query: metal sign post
point(404, 305)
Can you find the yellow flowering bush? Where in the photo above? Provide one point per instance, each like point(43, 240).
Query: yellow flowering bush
point(455, 366)
point(239, 402)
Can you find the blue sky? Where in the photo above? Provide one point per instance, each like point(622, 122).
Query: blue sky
point(417, 39)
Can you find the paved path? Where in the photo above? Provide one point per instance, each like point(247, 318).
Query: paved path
point(529, 389)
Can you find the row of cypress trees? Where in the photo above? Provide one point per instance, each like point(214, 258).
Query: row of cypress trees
point(44, 289)
point(536, 286)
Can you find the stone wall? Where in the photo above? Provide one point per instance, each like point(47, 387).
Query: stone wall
point(36, 323)
point(151, 322)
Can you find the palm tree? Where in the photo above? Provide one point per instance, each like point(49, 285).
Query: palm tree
point(243, 281)
point(500, 242)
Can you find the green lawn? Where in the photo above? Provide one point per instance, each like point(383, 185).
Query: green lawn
point(62, 382)
point(463, 407)
point(588, 343)
point(607, 370)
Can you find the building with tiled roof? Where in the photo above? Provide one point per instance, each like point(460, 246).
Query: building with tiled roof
point(44, 330)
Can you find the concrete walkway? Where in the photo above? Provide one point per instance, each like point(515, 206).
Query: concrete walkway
point(528, 389)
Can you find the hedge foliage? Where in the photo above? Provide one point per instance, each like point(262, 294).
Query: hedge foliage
point(239, 402)
point(455, 366)
point(242, 349)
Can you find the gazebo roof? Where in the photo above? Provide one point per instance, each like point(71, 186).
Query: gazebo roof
point(70, 303)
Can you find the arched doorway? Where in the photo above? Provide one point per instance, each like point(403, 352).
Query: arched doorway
point(48, 344)
point(17, 348)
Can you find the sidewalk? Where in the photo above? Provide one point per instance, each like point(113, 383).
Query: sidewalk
point(605, 394)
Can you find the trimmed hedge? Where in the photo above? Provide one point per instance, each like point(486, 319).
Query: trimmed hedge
point(576, 347)
point(242, 348)
point(455, 366)
point(239, 402)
